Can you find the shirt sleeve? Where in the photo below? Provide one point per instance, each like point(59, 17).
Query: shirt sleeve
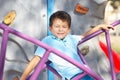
point(77, 38)
point(40, 51)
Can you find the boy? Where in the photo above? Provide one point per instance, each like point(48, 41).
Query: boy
point(60, 39)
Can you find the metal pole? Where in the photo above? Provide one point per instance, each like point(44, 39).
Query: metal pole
point(3, 52)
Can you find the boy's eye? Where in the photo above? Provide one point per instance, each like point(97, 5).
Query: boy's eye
point(57, 26)
point(64, 26)
point(61, 26)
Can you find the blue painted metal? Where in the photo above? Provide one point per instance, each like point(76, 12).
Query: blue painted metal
point(50, 9)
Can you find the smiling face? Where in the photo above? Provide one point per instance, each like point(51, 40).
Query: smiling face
point(60, 28)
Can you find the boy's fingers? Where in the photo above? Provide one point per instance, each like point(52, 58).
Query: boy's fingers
point(108, 27)
point(111, 28)
point(16, 78)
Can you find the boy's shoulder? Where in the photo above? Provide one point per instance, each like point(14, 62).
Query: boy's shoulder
point(47, 38)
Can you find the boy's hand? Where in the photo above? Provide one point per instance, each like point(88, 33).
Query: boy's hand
point(105, 27)
point(16, 78)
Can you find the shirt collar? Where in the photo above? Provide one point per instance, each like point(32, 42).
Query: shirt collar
point(64, 40)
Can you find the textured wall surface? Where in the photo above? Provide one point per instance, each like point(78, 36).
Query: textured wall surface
point(32, 20)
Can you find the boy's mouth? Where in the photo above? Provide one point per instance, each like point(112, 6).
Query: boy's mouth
point(60, 33)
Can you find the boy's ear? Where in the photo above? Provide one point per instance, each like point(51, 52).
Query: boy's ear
point(69, 31)
point(49, 27)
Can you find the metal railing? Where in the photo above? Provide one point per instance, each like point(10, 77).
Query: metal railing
point(42, 64)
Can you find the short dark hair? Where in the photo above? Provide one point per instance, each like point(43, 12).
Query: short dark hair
point(64, 16)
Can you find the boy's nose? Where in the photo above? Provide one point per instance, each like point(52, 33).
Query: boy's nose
point(60, 28)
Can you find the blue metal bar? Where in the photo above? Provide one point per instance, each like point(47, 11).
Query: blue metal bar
point(50, 8)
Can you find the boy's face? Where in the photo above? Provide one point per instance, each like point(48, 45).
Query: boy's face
point(59, 28)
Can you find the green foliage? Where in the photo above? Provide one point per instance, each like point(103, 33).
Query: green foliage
point(116, 48)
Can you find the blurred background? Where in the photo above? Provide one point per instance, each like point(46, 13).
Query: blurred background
point(112, 14)
point(32, 19)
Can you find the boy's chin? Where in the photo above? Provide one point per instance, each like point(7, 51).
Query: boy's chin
point(62, 38)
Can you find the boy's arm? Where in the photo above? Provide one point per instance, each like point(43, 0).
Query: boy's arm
point(32, 64)
point(96, 28)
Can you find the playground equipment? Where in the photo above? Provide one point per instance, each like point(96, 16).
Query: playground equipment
point(8, 30)
point(116, 56)
point(37, 27)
